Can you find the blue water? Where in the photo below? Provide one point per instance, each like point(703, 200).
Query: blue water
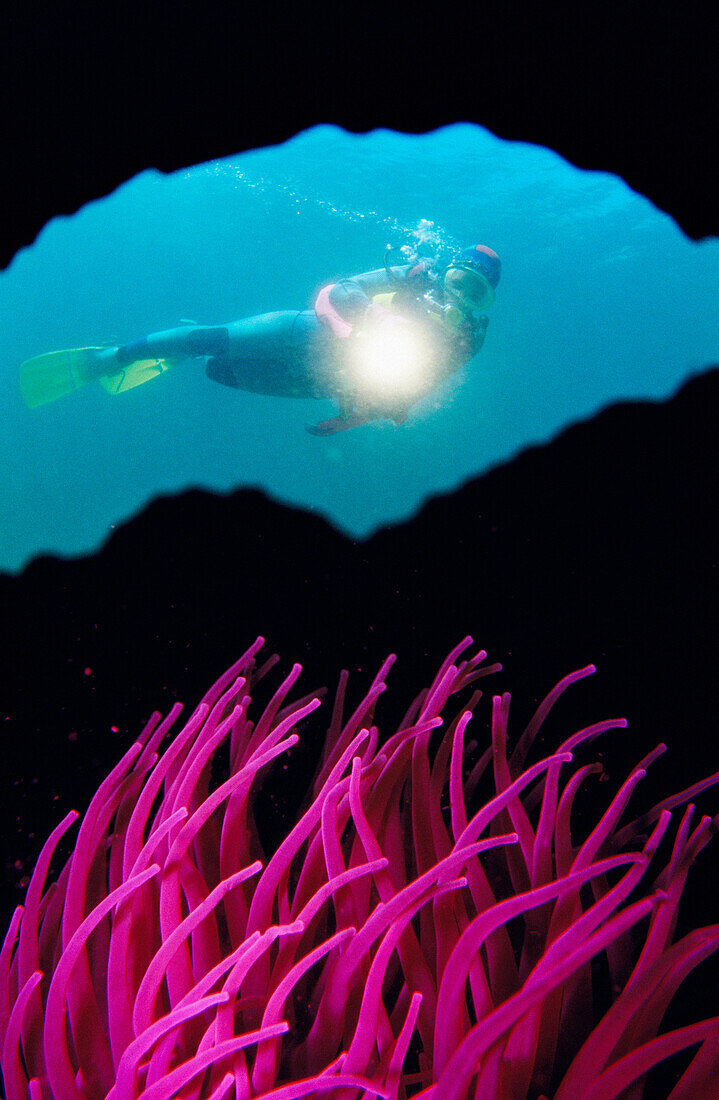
point(602, 299)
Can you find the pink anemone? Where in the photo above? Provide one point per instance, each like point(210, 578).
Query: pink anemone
point(430, 925)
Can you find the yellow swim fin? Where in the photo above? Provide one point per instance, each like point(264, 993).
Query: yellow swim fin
point(47, 377)
point(135, 374)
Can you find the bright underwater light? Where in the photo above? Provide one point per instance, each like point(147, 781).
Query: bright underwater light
point(390, 360)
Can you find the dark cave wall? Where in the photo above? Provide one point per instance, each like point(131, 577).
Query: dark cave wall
point(90, 97)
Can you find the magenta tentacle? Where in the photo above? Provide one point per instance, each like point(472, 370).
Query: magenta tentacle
point(277, 867)
point(536, 722)
point(127, 956)
point(615, 1080)
point(143, 1014)
point(646, 1000)
point(394, 977)
point(469, 1053)
point(140, 814)
point(8, 972)
point(360, 1049)
point(177, 1078)
point(450, 1000)
point(306, 915)
point(125, 1087)
point(58, 1065)
point(320, 1084)
point(266, 1060)
point(394, 1072)
point(14, 1072)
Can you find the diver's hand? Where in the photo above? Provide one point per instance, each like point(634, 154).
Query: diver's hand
point(341, 423)
point(326, 427)
point(377, 314)
point(329, 427)
point(382, 323)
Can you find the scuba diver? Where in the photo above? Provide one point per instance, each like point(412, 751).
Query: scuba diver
point(376, 343)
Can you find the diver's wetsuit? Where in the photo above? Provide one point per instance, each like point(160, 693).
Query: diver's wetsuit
point(289, 353)
point(296, 353)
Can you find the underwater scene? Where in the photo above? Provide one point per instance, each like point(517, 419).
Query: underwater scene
point(356, 864)
point(601, 298)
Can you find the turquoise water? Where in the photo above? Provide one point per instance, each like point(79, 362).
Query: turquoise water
point(602, 299)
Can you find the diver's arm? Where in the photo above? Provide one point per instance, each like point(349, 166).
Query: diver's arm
point(347, 303)
point(468, 341)
point(337, 424)
point(355, 419)
point(479, 333)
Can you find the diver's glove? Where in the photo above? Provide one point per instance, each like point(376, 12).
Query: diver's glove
point(340, 423)
point(377, 314)
point(356, 418)
point(377, 318)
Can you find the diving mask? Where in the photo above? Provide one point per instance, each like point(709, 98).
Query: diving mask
point(468, 287)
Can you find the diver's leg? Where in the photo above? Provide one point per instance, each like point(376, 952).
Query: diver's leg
point(186, 342)
point(261, 356)
point(176, 343)
point(265, 336)
point(282, 354)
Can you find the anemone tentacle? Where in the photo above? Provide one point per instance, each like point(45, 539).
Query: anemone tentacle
point(425, 926)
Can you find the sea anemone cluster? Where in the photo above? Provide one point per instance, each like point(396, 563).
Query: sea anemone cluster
point(432, 923)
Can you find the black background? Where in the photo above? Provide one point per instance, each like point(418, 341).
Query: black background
point(600, 547)
point(92, 95)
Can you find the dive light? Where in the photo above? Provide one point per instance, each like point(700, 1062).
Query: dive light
point(390, 359)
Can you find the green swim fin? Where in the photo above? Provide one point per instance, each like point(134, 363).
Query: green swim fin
point(48, 377)
point(135, 374)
